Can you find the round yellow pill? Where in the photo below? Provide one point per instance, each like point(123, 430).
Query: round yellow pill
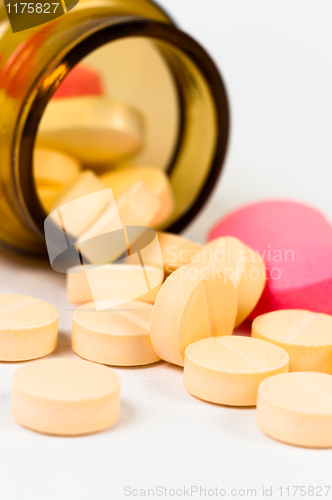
point(192, 304)
point(65, 397)
point(117, 336)
point(305, 335)
point(96, 130)
point(28, 327)
point(296, 408)
point(228, 370)
point(243, 265)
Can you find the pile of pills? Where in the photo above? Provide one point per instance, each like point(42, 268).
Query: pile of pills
point(190, 323)
point(183, 311)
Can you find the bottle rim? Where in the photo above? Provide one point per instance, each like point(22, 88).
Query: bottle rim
point(105, 32)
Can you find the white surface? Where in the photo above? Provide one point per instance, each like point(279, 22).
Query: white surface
point(276, 60)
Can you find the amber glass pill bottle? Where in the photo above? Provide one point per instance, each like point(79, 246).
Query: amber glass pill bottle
point(147, 61)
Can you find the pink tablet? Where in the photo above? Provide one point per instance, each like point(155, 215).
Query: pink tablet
point(295, 241)
point(81, 81)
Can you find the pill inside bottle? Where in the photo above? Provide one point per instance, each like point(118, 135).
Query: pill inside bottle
point(118, 91)
point(120, 123)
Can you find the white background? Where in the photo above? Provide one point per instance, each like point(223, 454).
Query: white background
point(275, 57)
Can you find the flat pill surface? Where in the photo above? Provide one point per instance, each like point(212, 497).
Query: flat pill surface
point(78, 217)
point(243, 265)
point(96, 130)
point(117, 336)
point(306, 336)
point(296, 408)
point(65, 397)
point(28, 327)
point(136, 207)
point(228, 370)
point(192, 304)
point(113, 282)
point(154, 178)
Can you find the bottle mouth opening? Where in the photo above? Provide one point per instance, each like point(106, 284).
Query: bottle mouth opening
point(199, 151)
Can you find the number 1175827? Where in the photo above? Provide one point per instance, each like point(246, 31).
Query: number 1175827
point(32, 8)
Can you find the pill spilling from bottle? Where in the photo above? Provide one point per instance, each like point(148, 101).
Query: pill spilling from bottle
point(144, 295)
